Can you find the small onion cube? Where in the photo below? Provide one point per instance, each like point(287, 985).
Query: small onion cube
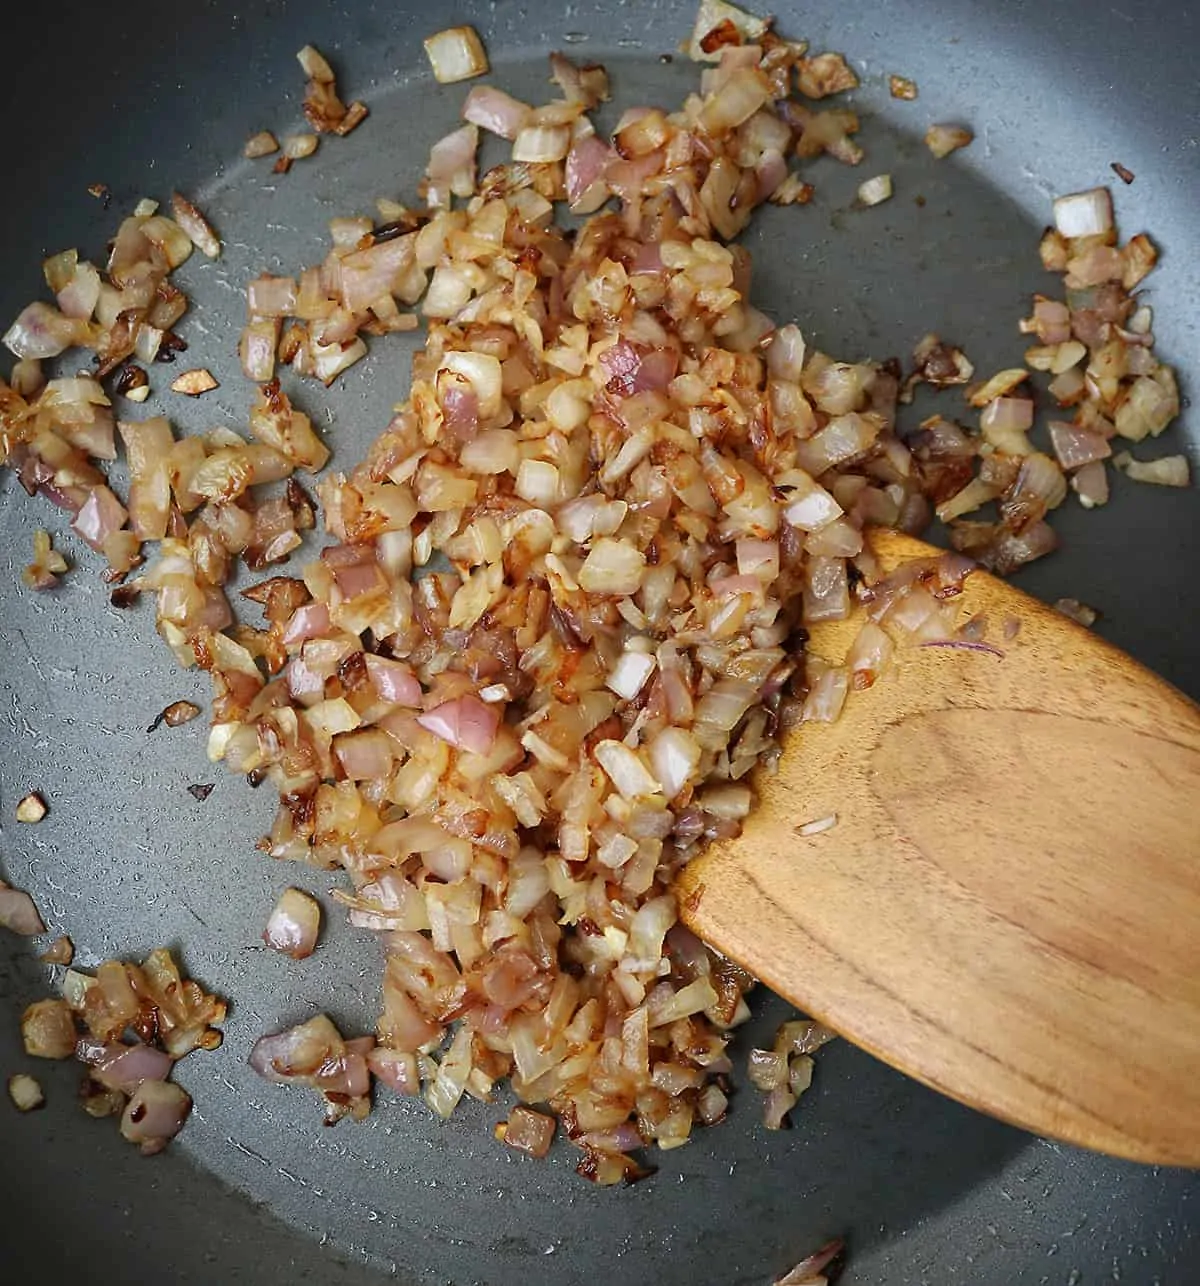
point(1084, 214)
point(466, 723)
point(48, 1029)
point(260, 144)
point(495, 111)
point(674, 756)
point(294, 925)
point(528, 1131)
point(944, 139)
point(541, 144)
point(32, 808)
point(154, 1115)
point(25, 1092)
point(456, 54)
point(613, 567)
point(876, 190)
point(1166, 471)
point(626, 770)
point(630, 673)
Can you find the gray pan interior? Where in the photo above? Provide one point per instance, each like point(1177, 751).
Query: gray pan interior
point(147, 97)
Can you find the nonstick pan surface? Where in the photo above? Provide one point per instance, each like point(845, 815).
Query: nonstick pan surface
point(145, 98)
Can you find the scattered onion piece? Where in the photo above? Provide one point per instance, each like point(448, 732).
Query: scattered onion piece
point(25, 1092)
point(944, 139)
point(262, 144)
point(196, 226)
point(527, 1131)
point(48, 1029)
point(32, 808)
point(456, 54)
point(60, 952)
point(19, 913)
point(1166, 471)
point(294, 925)
point(154, 1115)
point(875, 191)
point(194, 383)
point(47, 566)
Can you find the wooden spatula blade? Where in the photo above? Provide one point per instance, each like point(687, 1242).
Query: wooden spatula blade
point(1008, 906)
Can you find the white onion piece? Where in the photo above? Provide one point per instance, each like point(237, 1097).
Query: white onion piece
point(101, 516)
point(626, 770)
point(1091, 485)
point(944, 139)
point(48, 1029)
point(393, 681)
point(586, 163)
point(674, 757)
point(25, 1092)
point(155, 1115)
point(40, 332)
point(125, 1067)
point(613, 567)
point(629, 675)
point(294, 925)
point(466, 723)
point(456, 54)
point(396, 1069)
point(541, 144)
point(1075, 446)
point(1166, 471)
point(1084, 214)
point(196, 226)
point(451, 168)
point(875, 191)
point(495, 111)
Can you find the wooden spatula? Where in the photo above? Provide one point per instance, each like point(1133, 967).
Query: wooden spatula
point(1008, 906)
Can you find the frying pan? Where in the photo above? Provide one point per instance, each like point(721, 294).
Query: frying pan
point(145, 97)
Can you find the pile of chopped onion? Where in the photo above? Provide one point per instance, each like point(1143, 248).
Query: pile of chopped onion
point(129, 1025)
point(564, 612)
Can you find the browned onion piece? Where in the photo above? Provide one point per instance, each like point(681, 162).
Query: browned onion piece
point(48, 1029)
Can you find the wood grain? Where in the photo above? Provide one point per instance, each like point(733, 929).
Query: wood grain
point(1008, 908)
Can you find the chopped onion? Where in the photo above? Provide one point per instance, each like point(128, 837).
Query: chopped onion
point(48, 1029)
point(944, 139)
point(876, 190)
point(261, 144)
point(528, 1131)
point(495, 111)
point(125, 1067)
point(466, 723)
point(40, 332)
point(539, 144)
point(294, 925)
point(25, 1092)
point(1166, 471)
point(196, 226)
point(1075, 446)
point(456, 54)
point(1084, 214)
point(155, 1115)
